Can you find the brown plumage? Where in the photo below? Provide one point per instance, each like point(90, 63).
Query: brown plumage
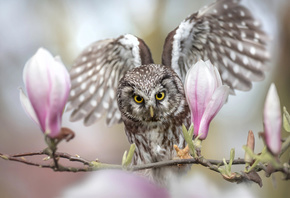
point(151, 100)
point(154, 135)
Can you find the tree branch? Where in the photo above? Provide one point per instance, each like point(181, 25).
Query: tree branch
point(87, 165)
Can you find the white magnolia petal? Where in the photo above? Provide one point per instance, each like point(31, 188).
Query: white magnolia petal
point(200, 85)
point(59, 93)
point(217, 101)
point(273, 120)
point(26, 105)
point(37, 82)
point(215, 74)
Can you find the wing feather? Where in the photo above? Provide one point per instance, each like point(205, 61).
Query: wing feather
point(96, 73)
point(227, 34)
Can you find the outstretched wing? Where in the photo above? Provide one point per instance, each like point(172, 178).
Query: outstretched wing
point(96, 73)
point(226, 33)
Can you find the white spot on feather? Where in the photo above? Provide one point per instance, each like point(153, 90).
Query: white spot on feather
point(225, 75)
point(81, 98)
point(89, 64)
point(253, 50)
point(98, 60)
point(78, 69)
point(72, 93)
point(218, 40)
point(242, 13)
point(90, 72)
point(84, 58)
point(98, 115)
point(94, 78)
point(222, 50)
point(112, 93)
point(256, 23)
point(245, 60)
point(257, 36)
point(93, 103)
point(214, 54)
point(235, 83)
point(240, 46)
point(243, 34)
point(236, 68)
point(233, 55)
point(212, 46)
point(105, 104)
point(80, 79)
point(225, 61)
point(101, 92)
point(83, 86)
point(92, 89)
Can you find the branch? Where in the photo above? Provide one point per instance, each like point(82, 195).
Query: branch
point(87, 165)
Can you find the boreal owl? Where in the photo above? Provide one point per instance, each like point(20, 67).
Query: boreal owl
point(118, 77)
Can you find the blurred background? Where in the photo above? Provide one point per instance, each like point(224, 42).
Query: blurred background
point(65, 28)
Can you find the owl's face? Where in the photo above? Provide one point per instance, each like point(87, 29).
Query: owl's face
point(151, 94)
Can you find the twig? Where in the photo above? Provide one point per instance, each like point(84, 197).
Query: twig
point(211, 164)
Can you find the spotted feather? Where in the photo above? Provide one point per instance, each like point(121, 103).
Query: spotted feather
point(96, 73)
point(227, 34)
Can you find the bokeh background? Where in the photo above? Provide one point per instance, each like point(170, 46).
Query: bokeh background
point(65, 28)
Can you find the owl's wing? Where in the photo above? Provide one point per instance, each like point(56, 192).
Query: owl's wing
point(96, 73)
point(226, 33)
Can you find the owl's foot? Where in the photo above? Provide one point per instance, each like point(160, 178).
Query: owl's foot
point(182, 153)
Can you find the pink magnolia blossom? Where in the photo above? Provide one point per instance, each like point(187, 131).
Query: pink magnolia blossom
point(272, 121)
point(116, 183)
point(47, 83)
point(205, 95)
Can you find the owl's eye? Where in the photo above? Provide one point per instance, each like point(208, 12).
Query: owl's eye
point(138, 99)
point(160, 96)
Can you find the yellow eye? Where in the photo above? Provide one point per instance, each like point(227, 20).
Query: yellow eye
point(160, 95)
point(138, 99)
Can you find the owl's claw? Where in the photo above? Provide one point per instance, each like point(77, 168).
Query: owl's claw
point(182, 153)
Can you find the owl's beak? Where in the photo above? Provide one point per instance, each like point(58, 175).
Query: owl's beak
point(151, 111)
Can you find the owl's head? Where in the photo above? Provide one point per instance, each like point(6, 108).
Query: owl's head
point(150, 93)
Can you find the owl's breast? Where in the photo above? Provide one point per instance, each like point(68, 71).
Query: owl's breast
point(154, 142)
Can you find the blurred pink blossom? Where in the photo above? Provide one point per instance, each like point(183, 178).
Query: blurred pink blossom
point(117, 183)
point(47, 83)
point(205, 95)
point(273, 120)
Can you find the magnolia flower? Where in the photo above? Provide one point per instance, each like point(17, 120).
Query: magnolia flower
point(205, 95)
point(116, 183)
point(47, 83)
point(272, 121)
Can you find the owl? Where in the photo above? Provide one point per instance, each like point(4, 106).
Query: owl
point(118, 77)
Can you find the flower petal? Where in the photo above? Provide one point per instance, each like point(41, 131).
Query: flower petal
point(28, 107)
point(273, 120)
point(215, 104)
point(199, 87)
point(37, 82)
point(116, 183)
point(47, 83)
point(59, 93)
